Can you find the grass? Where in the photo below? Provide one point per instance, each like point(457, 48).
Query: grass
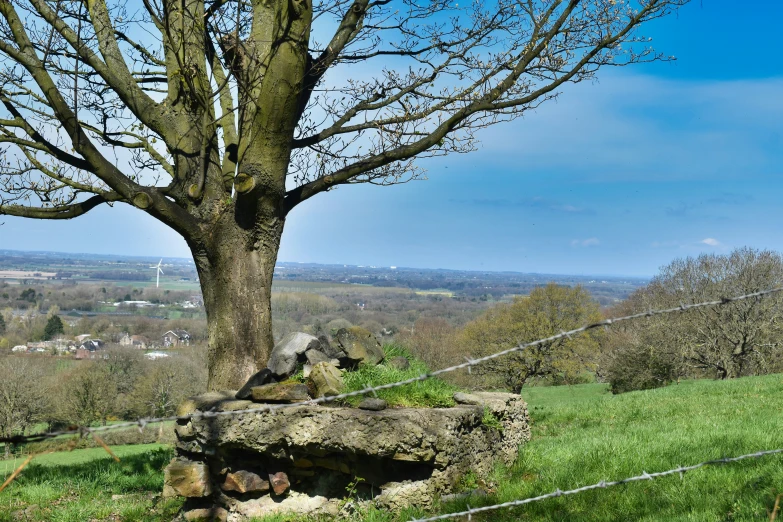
point(581, 435)
point(432, 393)
point(88, 485)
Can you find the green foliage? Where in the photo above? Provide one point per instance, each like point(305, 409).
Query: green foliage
point(490, 420)
point(54, 327)
point(433, 393)
point(27, 295)
point(546, 311)
point(2, 325)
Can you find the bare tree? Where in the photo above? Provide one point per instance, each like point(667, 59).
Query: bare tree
point(22, 396)
point(219, 117)
point(733, 340)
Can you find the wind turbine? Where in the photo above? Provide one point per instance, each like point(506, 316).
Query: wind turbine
point(157, 273)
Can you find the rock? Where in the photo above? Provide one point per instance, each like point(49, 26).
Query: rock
point(399, 363)
point(280, 483)
point(316, 356)
point(259, 379)
point(285, 355)
point(359, 345)
point(213, 514)
point(281, 392)
point(306, 369)
point(466, 398)
point(244, 482)
point(186, 478)
point(326, 380)
point(332, 352)
point(373, 404)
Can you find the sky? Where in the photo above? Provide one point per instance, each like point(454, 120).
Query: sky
point(616, 177)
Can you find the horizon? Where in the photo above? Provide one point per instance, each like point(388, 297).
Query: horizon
point(382, 266)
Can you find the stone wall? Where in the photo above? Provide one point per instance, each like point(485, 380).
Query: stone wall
point(307, 458)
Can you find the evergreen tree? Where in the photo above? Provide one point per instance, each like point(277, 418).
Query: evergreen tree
point(2, 325)
point(54, 326)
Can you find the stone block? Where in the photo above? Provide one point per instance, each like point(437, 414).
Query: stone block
point(373, 404)
point(244, 482)
point(258, 379)
point(186, 478)
point(279, 482)
point(286, 354)
point(360, 345)
point(281, 392)
point(326, 380)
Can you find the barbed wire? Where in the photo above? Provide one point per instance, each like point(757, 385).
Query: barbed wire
point(681, 470)
point(469, 363)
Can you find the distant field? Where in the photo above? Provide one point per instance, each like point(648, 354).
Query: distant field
point(164, 284)
point(25, 274)
point(447, 293)
point(321, 287)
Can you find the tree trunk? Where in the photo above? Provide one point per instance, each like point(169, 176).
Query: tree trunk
point(236, 281)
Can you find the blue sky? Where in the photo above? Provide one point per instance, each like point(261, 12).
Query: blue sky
point(620, 176)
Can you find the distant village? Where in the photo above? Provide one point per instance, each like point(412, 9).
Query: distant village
point(85, 346)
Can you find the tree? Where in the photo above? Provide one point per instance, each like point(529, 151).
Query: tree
point(89, 395)
point(2, 324)
point(224, 116)
point(732, 340)
point(54, 326)
point(546, 311)
point(165, 384)
point(22, 396)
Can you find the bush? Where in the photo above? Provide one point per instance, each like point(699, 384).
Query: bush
point(636, 367)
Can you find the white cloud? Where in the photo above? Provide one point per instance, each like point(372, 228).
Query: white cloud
point(590, 241)
point(710, 241)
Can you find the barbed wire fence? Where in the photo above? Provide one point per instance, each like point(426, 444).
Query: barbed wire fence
point(141, 423)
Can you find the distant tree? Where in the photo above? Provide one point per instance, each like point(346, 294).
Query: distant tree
point(27, 295)
point(165, 384)
point(23, 398)
point(546, 311)
point(89, 395)
point(230, 114)
point(731, 340)
point(2, 324)
point(54, 327)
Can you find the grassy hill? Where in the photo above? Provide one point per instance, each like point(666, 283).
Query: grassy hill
point(581, 435)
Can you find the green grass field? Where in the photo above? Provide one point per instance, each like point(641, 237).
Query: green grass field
point(581, 435)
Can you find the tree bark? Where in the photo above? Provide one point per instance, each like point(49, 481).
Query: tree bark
point(236, 271)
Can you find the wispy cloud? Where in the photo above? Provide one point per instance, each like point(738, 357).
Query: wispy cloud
point(590, 241)
point(711, 242)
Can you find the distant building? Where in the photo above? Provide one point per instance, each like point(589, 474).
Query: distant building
point(175, 338)
point(81, 338)
point(20, 348)
point(136, 341)
point(155, 355)
point(90, 349)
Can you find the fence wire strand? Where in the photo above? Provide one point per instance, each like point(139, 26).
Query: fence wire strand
point(681, 470)
point(272, 408)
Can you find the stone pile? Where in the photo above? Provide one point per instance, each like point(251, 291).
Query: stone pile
point(321, 362)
